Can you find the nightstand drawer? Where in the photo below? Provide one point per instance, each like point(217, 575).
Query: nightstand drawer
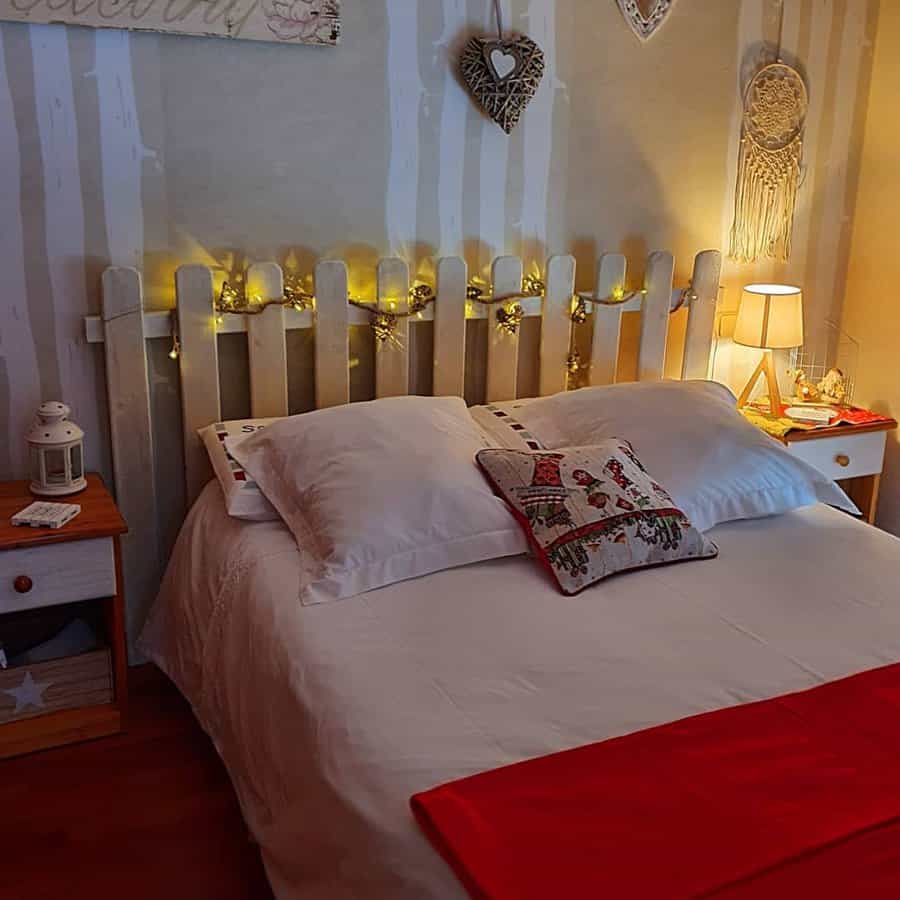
point(846, 456)
point(56, 573)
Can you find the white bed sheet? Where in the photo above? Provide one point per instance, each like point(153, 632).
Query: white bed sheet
point(329, 717)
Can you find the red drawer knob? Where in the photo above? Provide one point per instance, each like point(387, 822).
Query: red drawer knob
point(23, 584)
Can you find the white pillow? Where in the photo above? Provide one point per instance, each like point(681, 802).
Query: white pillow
point(716, 465)
point(243, 498)
point(379, 492)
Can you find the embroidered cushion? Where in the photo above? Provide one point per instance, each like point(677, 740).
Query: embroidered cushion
point(590, 512)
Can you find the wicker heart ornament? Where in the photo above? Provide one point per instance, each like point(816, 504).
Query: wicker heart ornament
point(503, 75)
point(645, 24)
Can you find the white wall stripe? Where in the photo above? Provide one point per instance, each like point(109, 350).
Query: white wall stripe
point(834, 223)
point(730, 363)
point(749, 34)
point(454, 110)
point(538, 125)
point(405, 91)
point(121, 149)
point(816, 69)
point(64, 222)
point(16, 340)
point(493, 167)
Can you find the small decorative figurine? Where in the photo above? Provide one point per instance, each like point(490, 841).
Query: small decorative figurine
point(804, 389)
point(833, 387)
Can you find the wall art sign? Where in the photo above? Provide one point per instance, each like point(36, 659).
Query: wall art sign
point(645, 16)
point(283, 21)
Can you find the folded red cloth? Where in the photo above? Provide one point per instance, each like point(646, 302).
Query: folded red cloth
point(798, 796)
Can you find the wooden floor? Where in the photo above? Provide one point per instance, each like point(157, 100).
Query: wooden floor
point(148, 814)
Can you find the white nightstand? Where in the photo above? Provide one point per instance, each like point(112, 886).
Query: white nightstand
point(852, 455)
point(77, 567)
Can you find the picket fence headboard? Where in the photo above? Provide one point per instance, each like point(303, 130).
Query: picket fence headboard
point(125, 326)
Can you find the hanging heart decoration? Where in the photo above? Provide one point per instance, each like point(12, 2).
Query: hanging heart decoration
point(645, 24)
point(503, 75)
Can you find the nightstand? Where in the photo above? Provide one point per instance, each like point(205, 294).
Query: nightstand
point(852, 455)
point(76, 567)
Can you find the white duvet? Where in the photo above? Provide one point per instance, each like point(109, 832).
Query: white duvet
point(329, 717)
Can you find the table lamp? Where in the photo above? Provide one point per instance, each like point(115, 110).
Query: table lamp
point(770, 317)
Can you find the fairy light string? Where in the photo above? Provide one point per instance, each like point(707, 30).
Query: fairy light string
point(233, 299)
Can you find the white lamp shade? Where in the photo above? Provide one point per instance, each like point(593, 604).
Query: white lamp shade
point(770, 316)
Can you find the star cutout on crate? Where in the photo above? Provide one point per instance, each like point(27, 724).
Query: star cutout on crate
point(28, 693)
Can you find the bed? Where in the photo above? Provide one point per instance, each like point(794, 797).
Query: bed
point(330, 717)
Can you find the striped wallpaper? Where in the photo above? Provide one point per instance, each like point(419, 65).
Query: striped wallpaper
point(155, 150)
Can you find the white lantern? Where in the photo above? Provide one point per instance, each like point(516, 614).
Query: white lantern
point(56, 452)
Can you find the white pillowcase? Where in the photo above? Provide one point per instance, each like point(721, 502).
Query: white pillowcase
point(243, 498)
point(716, 465)
point(379, 492)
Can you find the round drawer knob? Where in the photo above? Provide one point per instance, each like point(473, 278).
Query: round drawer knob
point(842, 460)
point(23, 584)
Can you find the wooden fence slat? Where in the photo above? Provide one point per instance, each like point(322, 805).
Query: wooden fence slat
point(131, 434)
point(200, 402)
point(655, 316)
point(266, 343)
point(332, 335)
point(450, 328)
point(503, 347)
point(556, 326)
point(611, 271)
point(702, 315)
point(392, 356)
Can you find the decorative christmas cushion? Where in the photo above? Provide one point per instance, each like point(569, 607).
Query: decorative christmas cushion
point(243, 498)
point(590, 512)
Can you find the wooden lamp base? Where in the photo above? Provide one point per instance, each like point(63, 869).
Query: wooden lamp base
point(766, 367)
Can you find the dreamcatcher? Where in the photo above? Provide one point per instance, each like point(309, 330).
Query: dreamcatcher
point(770, 167)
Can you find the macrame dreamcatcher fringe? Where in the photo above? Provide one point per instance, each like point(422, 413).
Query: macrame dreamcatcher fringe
point(770, 166)
point(765, 201)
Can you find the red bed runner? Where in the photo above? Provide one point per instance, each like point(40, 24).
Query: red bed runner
point(798, 796)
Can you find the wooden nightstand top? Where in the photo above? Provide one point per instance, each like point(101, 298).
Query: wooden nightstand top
point(98, 518)
point(793, 437)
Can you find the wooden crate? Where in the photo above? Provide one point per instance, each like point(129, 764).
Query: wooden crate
point(72, 682)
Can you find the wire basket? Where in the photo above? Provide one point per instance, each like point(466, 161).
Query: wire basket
point(830, 348)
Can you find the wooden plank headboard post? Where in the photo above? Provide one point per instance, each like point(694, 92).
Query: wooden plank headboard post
point(450, 328)
point(702, 315)
point(128, 392)
point(503, 347)
point(392, 356)
point(655, 318)
point(332, 335)
point(266, 344)
point(556, 325)
point(200, 401)
point(607, 319)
